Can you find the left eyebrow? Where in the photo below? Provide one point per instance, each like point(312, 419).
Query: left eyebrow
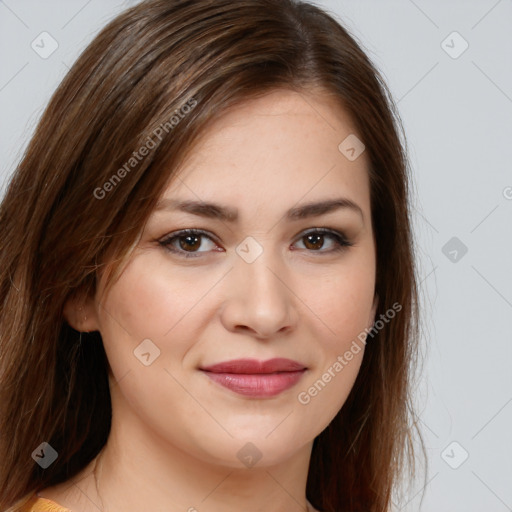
point(228, 214)
point(321, 208)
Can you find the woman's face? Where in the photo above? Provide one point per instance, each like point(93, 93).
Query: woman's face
point(261, 283)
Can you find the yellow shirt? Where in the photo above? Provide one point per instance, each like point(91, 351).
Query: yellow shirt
point(37, 504)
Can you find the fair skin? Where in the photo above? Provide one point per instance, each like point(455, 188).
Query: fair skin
point(175, 432)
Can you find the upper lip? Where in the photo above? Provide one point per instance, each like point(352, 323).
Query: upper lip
point(252, 366)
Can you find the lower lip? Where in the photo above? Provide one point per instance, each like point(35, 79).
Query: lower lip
point(257, 385)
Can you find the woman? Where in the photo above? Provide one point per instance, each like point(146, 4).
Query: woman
point(207, 273)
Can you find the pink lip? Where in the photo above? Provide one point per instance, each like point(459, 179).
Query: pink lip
point(254, 378)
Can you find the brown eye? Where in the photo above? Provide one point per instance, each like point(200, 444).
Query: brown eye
point(191, 242)
point(187, 242)
point(315, 240)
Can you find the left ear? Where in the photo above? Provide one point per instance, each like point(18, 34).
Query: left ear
point(80, 314)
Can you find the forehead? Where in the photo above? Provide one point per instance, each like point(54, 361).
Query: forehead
point(276, 150)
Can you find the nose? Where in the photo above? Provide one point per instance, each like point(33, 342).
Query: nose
point(260, 299)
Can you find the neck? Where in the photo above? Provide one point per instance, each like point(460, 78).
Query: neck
point(138, 470)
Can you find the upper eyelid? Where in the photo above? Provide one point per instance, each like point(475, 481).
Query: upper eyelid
point(183, 232)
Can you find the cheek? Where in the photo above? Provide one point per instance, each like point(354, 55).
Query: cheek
point(152, 300)
point(342, 302)
point(343, 307)
point(138, 307)
point(149, 299)
point(148, 303)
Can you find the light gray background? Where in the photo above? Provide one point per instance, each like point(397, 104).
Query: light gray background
point(457, 115)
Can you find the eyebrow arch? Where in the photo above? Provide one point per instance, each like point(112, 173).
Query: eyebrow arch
point(227, 214)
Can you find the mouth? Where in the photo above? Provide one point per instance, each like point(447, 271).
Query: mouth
point(258, 379)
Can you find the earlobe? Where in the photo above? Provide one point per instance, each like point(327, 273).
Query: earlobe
point(81, 314)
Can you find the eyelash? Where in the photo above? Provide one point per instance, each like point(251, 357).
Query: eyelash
point(339, 238)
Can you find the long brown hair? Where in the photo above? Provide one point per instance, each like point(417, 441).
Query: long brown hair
point(162, 71)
